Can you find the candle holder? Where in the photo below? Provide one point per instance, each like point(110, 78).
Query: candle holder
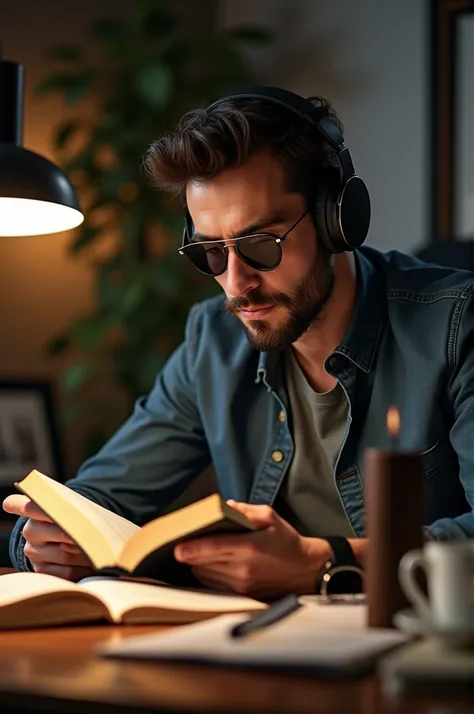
point(394, 492)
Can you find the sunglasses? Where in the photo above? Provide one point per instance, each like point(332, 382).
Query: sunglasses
point(261, 251)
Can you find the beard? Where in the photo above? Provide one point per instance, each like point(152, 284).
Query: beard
point(305, 307)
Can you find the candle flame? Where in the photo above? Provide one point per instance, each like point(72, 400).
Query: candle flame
point(393, 421)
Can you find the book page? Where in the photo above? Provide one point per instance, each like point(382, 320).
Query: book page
point(174, 604)
point(208, 514)
point(31, 599)
point(99, 532)
point(19, 586)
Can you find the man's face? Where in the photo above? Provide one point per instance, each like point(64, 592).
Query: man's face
point(278, 306)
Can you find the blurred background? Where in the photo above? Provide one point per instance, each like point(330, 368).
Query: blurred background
point(87, 317)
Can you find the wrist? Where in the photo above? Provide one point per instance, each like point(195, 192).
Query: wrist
point(359, 548)
point(343, 571)
point(317, 552)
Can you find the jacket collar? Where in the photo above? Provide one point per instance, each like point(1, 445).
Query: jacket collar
point(361, 341)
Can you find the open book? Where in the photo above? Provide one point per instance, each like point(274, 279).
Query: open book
point(36, 600)
point(114, 544)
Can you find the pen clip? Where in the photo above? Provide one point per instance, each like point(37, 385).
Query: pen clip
point(276, 612)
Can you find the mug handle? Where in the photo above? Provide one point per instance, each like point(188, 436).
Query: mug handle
point(409, 563)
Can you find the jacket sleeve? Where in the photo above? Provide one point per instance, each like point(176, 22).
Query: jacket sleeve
point(156, 453)
point(460, 350)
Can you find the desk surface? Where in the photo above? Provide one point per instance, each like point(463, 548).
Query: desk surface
point(55, 669)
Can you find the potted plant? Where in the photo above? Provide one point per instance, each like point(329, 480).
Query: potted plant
point(151, 70)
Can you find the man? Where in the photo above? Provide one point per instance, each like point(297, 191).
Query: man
point(283, 382)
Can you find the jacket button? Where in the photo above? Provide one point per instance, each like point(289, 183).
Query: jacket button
point(332, 362)
point(277, 456)
point(282, 416)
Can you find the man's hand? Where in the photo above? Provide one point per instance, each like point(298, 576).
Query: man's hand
point(271, 562)
point(47, 547)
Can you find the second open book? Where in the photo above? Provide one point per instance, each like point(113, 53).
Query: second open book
point(113, 543)
point(35, 600)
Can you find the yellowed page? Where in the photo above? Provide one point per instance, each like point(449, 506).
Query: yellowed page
point(28, 599)
point(99, 532)
point(122, 596)
point(18, 586)
point(156, 533)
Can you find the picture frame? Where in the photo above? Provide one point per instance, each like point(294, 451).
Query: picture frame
point(28, 433)
point(453, 120)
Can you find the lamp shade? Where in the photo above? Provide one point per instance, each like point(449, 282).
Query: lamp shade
point(36, 197)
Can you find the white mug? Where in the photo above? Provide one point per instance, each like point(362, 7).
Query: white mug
point(449, 568)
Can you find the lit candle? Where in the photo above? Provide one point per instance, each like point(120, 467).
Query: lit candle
point(394, 517)
point(393, 427)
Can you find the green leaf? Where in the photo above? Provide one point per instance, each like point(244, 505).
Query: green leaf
point(132, 296)
point(155, 85)
point(90, 331)
point(252, 35)
point(72, 86)
point(75, 376)
point(64, 133)
point(86, 236)
point(59, 344)
point(64, 53)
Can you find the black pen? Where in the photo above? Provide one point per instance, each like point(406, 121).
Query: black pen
point(276, 612)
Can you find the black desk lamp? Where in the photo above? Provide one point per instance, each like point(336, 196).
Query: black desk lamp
point(36, 197)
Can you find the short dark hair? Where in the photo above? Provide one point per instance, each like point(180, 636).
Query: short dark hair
point(207, 141)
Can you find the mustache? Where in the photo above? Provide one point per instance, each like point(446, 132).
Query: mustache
point(254, 300)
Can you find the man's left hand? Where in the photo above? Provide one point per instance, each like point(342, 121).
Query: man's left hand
point(270, 562)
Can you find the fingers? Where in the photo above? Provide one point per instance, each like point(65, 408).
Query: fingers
point(38, 533)
point(67, 572)
point(51, 551)
point(225, 577)
point(235, 548)
point(214, 549)
point(211, 580)
point(259, 516)
point(21, 505)
point(51, 554)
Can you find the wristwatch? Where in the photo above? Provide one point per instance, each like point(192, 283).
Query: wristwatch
point(341, 573)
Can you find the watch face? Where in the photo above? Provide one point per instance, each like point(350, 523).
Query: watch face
point(344, 580)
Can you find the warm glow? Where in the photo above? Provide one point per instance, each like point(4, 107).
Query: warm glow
point(393, 421)
point(27, 217)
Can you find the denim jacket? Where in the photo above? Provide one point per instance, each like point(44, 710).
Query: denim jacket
point(410, 344)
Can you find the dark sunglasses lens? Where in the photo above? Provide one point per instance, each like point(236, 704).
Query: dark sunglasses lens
point(261, 252)
point(209, 260)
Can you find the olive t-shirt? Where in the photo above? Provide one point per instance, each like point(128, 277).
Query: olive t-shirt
point(319, 422)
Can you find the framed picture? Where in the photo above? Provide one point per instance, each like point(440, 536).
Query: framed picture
point(453, 146)
point(28, 434)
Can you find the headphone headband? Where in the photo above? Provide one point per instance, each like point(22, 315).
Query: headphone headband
point(341, 213)
point(304, 109)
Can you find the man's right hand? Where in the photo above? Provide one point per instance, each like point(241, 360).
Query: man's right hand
point(47, 547)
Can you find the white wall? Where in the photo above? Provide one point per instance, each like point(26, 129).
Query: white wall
point(370, 58)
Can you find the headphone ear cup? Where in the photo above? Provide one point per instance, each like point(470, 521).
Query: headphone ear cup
point(342, 215)
point(326, 213)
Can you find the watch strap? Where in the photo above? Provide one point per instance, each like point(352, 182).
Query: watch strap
point(342, 551)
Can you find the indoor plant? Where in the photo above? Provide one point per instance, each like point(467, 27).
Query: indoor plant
point(151, 70)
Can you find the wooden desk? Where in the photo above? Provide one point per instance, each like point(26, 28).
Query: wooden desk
point(55, 670)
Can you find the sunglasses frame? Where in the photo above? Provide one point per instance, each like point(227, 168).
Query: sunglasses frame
point(234, 243)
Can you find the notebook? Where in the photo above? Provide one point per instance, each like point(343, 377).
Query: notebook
point(327, 639)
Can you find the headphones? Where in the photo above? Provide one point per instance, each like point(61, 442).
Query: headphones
point(342, 205)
